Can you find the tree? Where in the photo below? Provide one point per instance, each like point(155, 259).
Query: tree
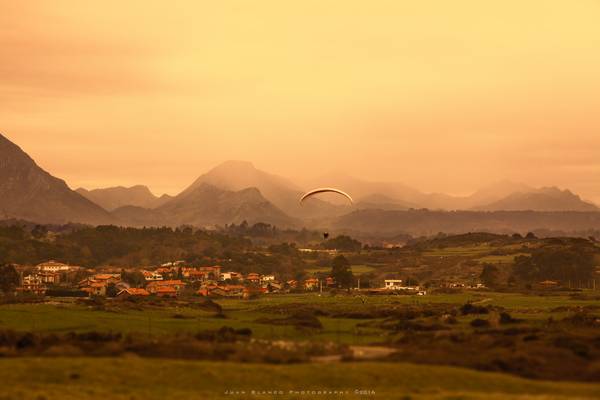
point(133, 278)
point(39, 232)
point(490, 275)
point(111, 290)
point(343, 242)
point(572, 264)
point(341, 271)
point(410, 281)
point(9, 278)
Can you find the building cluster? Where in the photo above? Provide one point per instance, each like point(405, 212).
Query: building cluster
point(167, 280)
point(98, 284)
point(47, 274)
point(400, 285)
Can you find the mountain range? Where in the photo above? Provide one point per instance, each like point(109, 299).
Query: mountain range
point(235, 191)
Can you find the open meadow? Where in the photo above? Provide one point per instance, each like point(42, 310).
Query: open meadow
point(111, 378)
point(430, 347)
point(347, 313)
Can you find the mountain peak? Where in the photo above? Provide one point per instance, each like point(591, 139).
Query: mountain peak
point(234, 165)
point(237, 175)
point(207, 204)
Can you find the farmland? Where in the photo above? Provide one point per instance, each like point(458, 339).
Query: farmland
point(176, 318)
point(92, 378)
point(513, 337)
point(436, 330)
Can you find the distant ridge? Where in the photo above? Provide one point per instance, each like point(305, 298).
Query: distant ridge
point(427, 223)
point(119, 196)
point(544, 199)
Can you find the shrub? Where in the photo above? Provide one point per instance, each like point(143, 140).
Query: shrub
point(480, 323)
point(471, 308)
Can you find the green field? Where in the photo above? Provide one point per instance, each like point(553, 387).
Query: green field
point(134, 378)
point(162, 321)
point(356, 269)
point(504, 259)
point(462, 251)
point(66, 317)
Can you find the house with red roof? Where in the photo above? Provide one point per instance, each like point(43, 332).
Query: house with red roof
point(165, 288)
point(311, 283)
point(253, 277)
point(133, 292)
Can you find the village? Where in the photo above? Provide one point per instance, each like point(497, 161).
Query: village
point(171, 280)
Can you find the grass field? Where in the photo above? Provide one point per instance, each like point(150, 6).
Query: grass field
point(239, 314)
point(464, 251)
point(134, 378)
point(65, 317)
point(504, 259)
point(356, 269)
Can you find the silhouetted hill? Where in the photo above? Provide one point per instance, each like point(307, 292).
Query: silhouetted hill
point(494, 192)
point(28, 192)
point(544, 199)
point(115, 197)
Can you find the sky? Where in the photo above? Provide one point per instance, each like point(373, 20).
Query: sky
point(445, 96)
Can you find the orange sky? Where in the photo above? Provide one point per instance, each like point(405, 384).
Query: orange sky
point(442, 95)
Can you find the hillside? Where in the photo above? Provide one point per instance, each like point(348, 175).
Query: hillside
point(209, 205)
point(28, 192)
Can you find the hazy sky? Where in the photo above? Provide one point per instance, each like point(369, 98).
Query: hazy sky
point(441, 95)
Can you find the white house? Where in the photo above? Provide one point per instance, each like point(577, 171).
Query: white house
point(393, 284)
point(267, 278)
point(231, 275)
point(152, 276)
point(54, 266)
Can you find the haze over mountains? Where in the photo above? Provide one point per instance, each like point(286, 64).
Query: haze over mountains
point(235, 191)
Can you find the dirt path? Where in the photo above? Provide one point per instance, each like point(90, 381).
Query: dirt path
point(360, 353)
point(371, 352)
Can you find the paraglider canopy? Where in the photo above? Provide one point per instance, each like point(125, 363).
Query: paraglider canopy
point(325, 190)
